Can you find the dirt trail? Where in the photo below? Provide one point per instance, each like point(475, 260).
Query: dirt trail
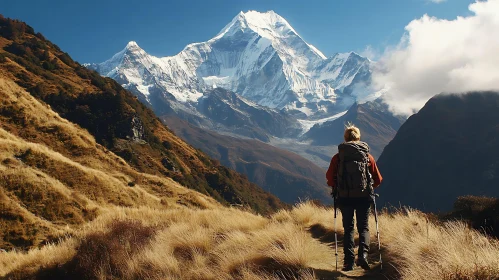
point(326, 269)
point(329, 272)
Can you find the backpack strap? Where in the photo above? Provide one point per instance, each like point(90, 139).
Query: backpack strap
point(341, 168)
point(368, 174)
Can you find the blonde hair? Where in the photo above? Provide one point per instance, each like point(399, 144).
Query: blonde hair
point(352, 133)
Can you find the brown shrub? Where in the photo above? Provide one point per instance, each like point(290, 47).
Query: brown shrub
point(480, 212)
point(107, 253)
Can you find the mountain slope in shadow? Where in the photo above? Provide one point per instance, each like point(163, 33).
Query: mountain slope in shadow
point(450, 148)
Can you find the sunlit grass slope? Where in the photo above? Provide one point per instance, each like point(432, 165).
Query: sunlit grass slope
point(225, 243)
point(62, 178)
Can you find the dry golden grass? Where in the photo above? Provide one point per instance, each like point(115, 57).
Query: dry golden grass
point(42, 185)
point(425, 250)
point(54, 177)
point(228, 243)
point(222, 243)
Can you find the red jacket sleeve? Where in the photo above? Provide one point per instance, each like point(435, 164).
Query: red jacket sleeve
point(373, 168)
point(332, 171)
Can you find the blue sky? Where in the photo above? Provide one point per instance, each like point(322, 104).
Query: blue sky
point(93, 30)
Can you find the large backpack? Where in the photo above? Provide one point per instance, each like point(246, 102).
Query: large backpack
point(354, 178)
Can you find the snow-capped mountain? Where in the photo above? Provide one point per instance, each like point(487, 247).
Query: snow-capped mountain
point(258, 56)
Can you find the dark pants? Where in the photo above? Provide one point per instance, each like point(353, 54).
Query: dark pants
point(361, 208)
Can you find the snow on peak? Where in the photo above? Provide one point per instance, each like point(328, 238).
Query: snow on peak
point(278, 31)
point(272, 25)
point(341, 56)
point(317, 51)
point(132, 44)
point(269, 25)
point(133, 47)
point(268, 21)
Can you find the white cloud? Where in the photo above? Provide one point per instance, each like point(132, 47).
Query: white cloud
point(437, 55)
point(370, 53)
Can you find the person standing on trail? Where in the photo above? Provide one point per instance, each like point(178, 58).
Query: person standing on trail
point(353, 176)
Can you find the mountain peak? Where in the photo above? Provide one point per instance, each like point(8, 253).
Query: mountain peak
point(132, 46)
point(354, 54)
point(267, 24)
point(132, 49)
point(266, 18)
point(269, 20)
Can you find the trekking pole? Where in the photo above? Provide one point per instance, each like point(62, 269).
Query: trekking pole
point(335, 236)
point(377, 232)
point(334, 194)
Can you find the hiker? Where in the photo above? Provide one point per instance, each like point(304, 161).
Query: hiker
point(353, 175)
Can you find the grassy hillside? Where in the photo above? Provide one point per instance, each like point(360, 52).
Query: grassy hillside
point(228, 243)
point(54, 177)
point(117, 120)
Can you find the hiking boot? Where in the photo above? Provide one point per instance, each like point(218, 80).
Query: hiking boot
point(362, 262)
point(347, 267)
